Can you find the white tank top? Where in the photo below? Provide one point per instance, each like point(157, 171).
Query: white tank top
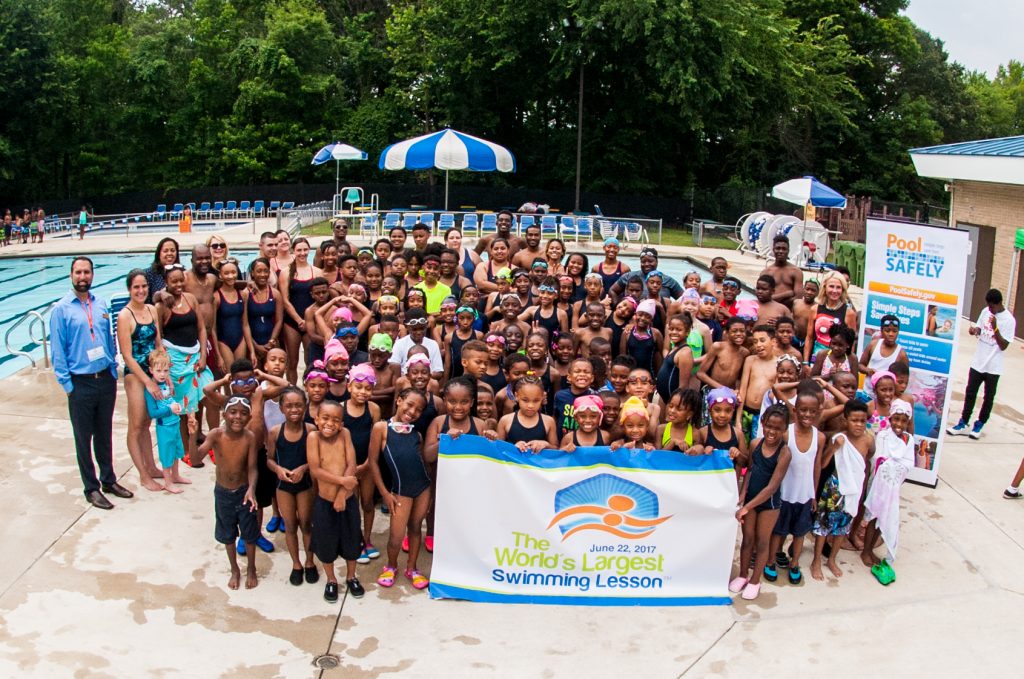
point(798, 483)
point(879, 362)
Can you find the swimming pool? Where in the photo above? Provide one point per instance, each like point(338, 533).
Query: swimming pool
point(34, 283)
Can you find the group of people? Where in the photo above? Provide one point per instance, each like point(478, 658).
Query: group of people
point(325, 376)
point(21, 228)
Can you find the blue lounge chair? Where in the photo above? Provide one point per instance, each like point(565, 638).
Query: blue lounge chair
point(288, 205)
point(275, 206)
point(525, 222)
point(445, 222)
point(577, 228)
point(204, 210)
point(231, 209)
point(548, 226)
point(245, 209)
point(490, 224)
point(428, 219)
point(161, 212)
point(258, 208)
point(409, 220)
point(470, 224)
point(218, 210)
point(177, 211)
point(368, 226)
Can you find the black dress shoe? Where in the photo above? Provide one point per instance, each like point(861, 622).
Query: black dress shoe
point(355, 588)
point(118, 490)
point(331, 592)
point(98, 500)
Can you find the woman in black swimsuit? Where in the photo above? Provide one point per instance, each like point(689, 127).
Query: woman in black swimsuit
point(484, 276)
point(295, 283)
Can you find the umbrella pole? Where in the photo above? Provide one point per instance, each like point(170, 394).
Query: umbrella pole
point(337, 175)
point(446, 190)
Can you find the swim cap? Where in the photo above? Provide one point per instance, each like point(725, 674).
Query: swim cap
point(612, 241)
point(691, 293)
point(721, 395)
point(747, 309)
point(342, 312)
point(417, 358)
point(633, 406)
point(381, 341)
point(880, 375)
point(654, 272)
point(362, 373)
point(334, 349)
point(589, 402)
point(504, 272)
point(387, 299)
point(648, 306)
point(899, 407)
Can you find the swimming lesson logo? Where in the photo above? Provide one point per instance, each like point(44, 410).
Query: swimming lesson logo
point(608, 504)
point(914, 256)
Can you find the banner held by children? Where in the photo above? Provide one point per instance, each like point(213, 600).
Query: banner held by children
point(589, 527)
point(917, 272)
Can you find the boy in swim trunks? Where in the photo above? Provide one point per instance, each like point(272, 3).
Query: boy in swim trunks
point(234, 494)
point(336, 528)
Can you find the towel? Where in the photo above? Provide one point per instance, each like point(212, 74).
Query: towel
point(850, 469)
point(896, 458)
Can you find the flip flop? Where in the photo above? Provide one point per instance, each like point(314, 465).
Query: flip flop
point(795, 576)
point(372, 551)
point(387, 577)
point(751, 591)
point(884, 577)
point(771, 573)
point(737, 584)
point(419, 581)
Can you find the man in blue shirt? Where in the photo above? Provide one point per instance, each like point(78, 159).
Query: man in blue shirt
point(83, 361)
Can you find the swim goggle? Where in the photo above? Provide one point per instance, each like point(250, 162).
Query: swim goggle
point(400, 427)
point(468, 310)
point(249, 381)
point(342, 332)
point(495, 339)
point(547, 288)
point(239, 401)
point(416, 322)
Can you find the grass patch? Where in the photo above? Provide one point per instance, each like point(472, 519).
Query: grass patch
point(319, 229)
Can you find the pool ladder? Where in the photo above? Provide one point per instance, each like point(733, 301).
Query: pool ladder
point(33, 318)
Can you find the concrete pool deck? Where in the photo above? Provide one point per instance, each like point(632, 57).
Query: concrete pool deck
point(140, 590)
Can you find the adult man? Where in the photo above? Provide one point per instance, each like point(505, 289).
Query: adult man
point(995, 330)
point(504, 222)
point(789, 279)
point(524, 258)
point(339, 232)
point(200, 281)
point(83, 362)
point(670, 287)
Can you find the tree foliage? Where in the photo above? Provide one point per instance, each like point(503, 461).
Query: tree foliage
point(106, 96)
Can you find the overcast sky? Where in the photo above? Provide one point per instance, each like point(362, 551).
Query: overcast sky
point(980, 34)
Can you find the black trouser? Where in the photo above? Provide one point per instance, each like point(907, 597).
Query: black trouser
point(974, 381)
point(91, 405)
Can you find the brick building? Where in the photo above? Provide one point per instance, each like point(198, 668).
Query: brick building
point(986, 184)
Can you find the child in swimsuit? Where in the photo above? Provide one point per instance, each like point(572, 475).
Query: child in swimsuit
point(359, 414)
point(635, 421)
point(589, 413)
point(165, 413)
point(286, 458)
point(528, 429)
point(682, 411)
point(397, 444)
point(761, 499)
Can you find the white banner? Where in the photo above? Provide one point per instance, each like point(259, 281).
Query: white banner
point(589, 527)
point(917, 273)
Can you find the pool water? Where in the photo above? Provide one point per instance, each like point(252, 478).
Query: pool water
point(34, 283)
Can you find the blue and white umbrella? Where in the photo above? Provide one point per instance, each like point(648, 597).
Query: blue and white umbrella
point(808, 190)
point(337, 152)
point(447, 150)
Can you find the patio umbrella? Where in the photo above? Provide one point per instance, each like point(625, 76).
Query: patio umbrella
point(808, 190)
point(337, 152)
point(447, 150)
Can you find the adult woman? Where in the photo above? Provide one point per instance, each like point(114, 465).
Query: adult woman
point(469, 260)
point(284, 256)
point(218, 251)
point(554, 252)
point(165, 255)
point(263, 315)
point(833, 307)
point(229, 312)
point(295, 282)
point(329, 262)
point(577, 266)
point(137, 336)
point(497, 258)
point(183, 335)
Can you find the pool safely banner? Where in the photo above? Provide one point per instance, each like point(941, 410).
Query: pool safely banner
point(591, 527)
point(917, 272)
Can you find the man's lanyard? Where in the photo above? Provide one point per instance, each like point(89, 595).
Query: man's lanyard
point(87, 305)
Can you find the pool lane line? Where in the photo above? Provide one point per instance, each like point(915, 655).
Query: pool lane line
point(7, 320)
point(39, 285)
point(29, 273)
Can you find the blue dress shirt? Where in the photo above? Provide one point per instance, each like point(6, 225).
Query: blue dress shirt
point(72, 339)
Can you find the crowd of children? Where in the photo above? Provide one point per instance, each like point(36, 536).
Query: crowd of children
point(401, 347)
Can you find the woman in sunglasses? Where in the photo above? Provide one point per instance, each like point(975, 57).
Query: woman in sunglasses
point(184, 338)
point(218, 251)
point(833, 308)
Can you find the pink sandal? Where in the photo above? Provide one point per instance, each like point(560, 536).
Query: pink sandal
point(419, 581)
point(737, 585)
point(387, 577)
point(751, 591)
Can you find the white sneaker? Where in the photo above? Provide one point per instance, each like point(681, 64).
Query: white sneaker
point(959, 430)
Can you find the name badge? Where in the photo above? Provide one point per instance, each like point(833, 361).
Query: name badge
point(95, 354)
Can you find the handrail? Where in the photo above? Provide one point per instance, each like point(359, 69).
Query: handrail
point(32, 317)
